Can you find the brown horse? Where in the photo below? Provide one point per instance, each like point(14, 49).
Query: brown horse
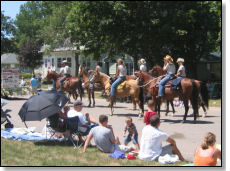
point(131, 88)
point(71, 84)
point(86, 81)
point(157, 71)
point(190, 90)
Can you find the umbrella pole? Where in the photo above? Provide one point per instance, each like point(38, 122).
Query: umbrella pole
point(25, 125)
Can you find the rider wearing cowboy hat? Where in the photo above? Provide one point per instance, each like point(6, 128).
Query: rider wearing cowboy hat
point(65, 70)
point(143, 65)
point(181, 69)
point(169, 67)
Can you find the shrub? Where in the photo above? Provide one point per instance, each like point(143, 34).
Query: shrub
point(26, 75)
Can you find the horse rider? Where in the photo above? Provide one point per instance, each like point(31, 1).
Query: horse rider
point(169, 67)
point(121, 74)
point(143, 65)
point(181, 70)
point(98, 67)
point(65, 70)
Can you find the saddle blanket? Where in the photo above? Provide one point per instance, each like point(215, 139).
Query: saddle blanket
point(121, 86)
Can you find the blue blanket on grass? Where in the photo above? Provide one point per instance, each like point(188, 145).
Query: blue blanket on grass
point(21, 136)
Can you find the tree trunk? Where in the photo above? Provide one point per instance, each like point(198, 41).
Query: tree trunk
point(135, 60)
point(76, 64)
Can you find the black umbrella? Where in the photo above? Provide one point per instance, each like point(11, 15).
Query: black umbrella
point(42, 105)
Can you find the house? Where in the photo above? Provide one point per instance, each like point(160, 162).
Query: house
point(54, 59)
point(209, 68)
point(10, 61)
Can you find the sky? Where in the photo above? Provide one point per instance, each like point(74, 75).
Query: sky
point(11, 8)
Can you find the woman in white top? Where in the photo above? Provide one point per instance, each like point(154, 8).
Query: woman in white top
point(121, 74)
point(143, 65)
point(170, 68)
point(181, 69)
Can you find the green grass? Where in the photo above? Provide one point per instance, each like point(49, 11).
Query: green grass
point(42, 153)
point(215, 103)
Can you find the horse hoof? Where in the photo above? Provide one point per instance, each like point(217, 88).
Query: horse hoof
point(89, 106)
point(111, 114)
point(140, 115)
point(166, 114)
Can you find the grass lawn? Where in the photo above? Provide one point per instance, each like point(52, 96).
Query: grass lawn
point(43, 153)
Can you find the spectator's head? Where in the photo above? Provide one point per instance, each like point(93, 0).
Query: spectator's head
point(103, 119)
point(22, 78)
point(34, 76)
point(155, 121)
point(78, 105)
point(128, 120)
point(209, 140)
point(151, 105)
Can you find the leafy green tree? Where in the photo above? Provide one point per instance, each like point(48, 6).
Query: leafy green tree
point(29, 55)
point(7, 32)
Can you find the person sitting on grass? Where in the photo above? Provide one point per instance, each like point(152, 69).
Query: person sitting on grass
point(84, 124)
point(207, 154)
point(150, 112)
point(104, 138)
point(151, 142)
point(132, 132)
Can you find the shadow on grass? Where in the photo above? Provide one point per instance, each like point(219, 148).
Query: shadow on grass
point(188, 121)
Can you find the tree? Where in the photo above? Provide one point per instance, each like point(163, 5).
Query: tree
point(7, 31)
point(149, 29)
point(29, 55)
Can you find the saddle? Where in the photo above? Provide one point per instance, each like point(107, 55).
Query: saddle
point(174, 82)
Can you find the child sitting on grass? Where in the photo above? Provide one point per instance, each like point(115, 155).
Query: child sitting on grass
point(133, 135)
point(150, 112)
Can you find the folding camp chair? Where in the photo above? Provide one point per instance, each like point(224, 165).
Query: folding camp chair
point(53, 126)
point(72, 126)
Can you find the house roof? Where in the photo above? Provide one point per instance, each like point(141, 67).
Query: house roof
point(213, 57)
point(9, 58)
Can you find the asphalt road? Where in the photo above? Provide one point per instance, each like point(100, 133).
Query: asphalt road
point(187, 135)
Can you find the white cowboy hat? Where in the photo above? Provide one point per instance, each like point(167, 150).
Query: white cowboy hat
point(169, 59)
point(180, 60)
point(65, 61)
point(142, 61)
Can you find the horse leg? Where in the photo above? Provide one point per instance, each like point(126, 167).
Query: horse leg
point(134, 103)
point(186, 110)
point(93, 98)
point(171, 102)
point(111, 106)
point(167, 107)
point(205, 112)
point(89, 97)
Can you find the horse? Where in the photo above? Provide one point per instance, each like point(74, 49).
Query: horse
point(71, 84)
point(130, 88)
point(190, 90)
point(158, 71)
point(86, 80)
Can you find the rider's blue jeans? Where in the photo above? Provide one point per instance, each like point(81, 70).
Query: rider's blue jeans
point(115, 84)
point(162, 83)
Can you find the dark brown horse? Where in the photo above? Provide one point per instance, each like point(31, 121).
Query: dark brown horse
point(90, 90)
point(71, 85)
point(190, 90)
point(157, 71)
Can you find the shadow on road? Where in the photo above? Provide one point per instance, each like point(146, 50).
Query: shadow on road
point(16, 98)
point(127, 114)
point(188, 121)
point(109, 106)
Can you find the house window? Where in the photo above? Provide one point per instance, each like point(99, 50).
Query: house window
point(59, 61)
point(52, 62)
point(45, 63)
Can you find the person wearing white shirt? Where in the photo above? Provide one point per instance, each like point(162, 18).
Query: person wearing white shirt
point(143, 65)
point(181, 69)
point(151, 142)
point(65, 71)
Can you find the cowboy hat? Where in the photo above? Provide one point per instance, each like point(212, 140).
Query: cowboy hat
point(168, 58)
point(142, 61)
point(65, 61)
point(180, 60)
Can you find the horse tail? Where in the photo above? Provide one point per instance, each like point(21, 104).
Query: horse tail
point(141, 98)
point(204, 93)
point(194, 96)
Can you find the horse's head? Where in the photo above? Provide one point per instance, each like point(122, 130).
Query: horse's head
point(51, 75)
point(140, 76)
point(95, 76)
point(156, 71)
